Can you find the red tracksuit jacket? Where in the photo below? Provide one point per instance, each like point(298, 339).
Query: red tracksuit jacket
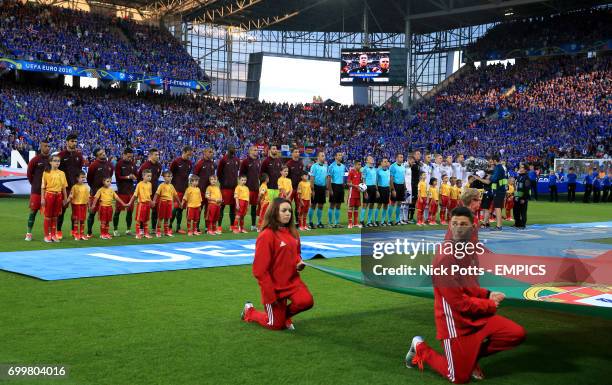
point(277, 254)
point(461, 306)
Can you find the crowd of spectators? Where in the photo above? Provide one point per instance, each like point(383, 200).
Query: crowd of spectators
point(531, 111)
point(534, 109)
point(577, 27)
point(69, 37)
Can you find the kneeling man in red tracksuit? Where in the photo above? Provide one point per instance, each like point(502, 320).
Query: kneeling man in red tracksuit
point(276, 267)
point(465, 316)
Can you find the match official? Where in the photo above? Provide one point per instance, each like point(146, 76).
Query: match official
point(335, 186)
point(318, 181)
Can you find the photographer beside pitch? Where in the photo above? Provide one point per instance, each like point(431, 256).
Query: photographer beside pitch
point(465, 317)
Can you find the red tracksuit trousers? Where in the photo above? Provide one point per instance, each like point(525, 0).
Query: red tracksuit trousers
point(275, 315)
point(461, 354)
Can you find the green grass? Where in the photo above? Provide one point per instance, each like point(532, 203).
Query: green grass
point(602, 240)
point(15, 211)
point(183, 327)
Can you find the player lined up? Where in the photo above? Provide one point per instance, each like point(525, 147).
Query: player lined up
point(384, 190)
point(378, 195)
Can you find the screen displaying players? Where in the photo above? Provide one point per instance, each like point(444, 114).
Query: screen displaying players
point(365, 66)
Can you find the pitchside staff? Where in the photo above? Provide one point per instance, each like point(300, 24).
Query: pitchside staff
point(571, 185)
point(71, 163)
point(521, 197)
point(125, 176)
point(499, 186)
point(180, 169)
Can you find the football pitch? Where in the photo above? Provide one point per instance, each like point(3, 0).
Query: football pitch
point(183, 327)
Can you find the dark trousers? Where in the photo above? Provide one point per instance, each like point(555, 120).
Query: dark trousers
point(596, 196)
point(553, 193)
point(605, 196)
point(571, 192)
point(520, 213)
point(588, 188)
point(413, 200)
point(534, 189)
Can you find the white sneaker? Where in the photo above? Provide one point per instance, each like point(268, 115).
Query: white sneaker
point(253, 228)
point(477, 373)
point(128, 232)
point(116, 233)
point(28, 237)
point(289, 324)
point(412, 352)
point(247, 305)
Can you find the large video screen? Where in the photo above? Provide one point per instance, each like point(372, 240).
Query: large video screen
point(363, 66)
point(373, 67)
point(298, 80)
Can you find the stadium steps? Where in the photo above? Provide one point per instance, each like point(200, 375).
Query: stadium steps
point(118, 32)
point(442, 85)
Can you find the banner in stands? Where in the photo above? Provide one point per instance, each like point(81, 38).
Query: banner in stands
point(152, 81)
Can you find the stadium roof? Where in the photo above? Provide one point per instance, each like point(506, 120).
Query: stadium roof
point(347, 15)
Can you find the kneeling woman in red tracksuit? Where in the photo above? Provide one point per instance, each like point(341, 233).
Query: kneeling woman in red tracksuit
point(277, 263)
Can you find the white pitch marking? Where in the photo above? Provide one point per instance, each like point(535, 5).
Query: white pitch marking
point(217, 251)
point(172, 257)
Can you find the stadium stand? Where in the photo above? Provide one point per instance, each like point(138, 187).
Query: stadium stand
point(585, 27)
point(534, 110)
point(60, 35)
